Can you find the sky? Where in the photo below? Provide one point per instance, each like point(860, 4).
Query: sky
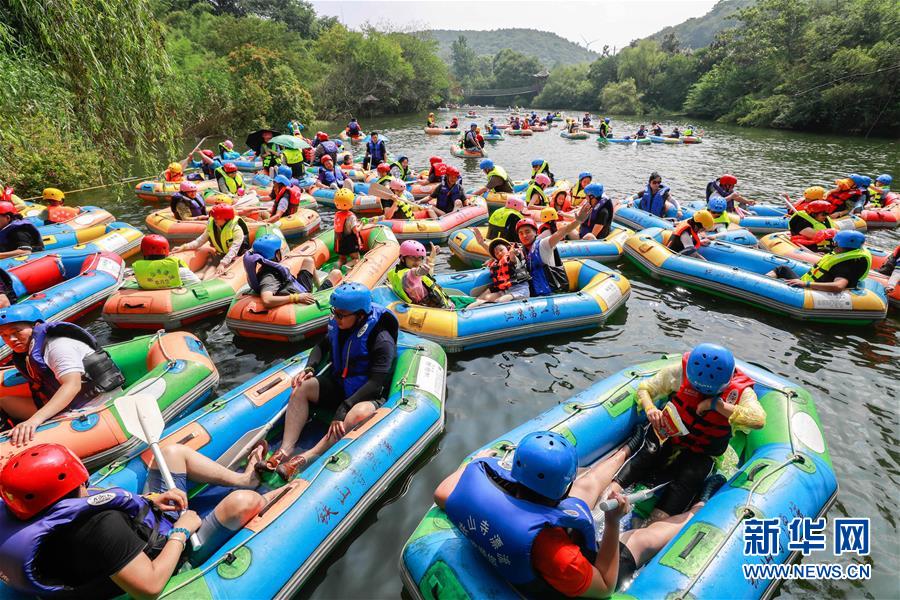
point(587, 23)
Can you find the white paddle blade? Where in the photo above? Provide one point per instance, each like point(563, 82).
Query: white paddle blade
point(141, 416)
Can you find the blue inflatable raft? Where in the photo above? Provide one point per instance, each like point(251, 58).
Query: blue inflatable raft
point(637, 219)
point(120, 238)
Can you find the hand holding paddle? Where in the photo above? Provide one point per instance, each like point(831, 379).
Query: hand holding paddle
point(631, 499)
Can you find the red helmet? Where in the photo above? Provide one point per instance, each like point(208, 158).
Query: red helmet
point(208, 153)
point(435, 160)
point(327, 159)
point(35, 478)
point(324, 137)
point(526, 223)
point(8, 208)
point(222, 211)
point(384, 168)
point(451, 170)
point(729, 180)
point(154, 245)
point(320, 135)
point(230, 167)
point(818, 206)
point(440, 169)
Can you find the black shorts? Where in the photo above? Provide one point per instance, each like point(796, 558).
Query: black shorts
point(685, 469)
point(331, 393)
point(627, 565)
point(349, 245)
point(298, 170)
point(308, 282)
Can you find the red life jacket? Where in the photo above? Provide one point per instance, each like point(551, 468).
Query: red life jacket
point(707, 434)
point(839, 199)
point(340, 219)
point(293, 200)
point(680, 229)
point(500, 275)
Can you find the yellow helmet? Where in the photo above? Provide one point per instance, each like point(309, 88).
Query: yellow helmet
point(816, 192)
point(705, 218)
point(843, 184)
point(343, 199)
point(53, 195)
point(222, 199)
point(548, 213)
point(175, 167)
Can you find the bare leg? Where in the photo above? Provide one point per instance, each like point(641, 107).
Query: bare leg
point(589, 236)
point(239, 507)
point(199, 468)
point(335, 276)
point(360, 412)
point(298, 413)
point(589, 486)
point(19, 408)
point(646, 542)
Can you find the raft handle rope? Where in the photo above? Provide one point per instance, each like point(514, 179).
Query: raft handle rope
point(230, 556)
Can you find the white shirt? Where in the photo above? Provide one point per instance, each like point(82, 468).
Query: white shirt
point(64, 355)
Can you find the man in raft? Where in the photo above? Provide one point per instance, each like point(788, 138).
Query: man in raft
point(63, 364)
point(541, 510)
point(599, 220)
point(448, 195)
point(58, 539)
point(811, 226)
point(689, 235)
point(497, 179)
point(18, 236)
point(548, 275)
point(362, 343)
point(228, 236)
point(159, 271)
point(656, 198)
point(723, 187)
point(274, 282)
point(470, 138)
point(841, 269)
point(376, 152)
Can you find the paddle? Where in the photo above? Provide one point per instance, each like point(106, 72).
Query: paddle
point(612, 503)
point(142, 418)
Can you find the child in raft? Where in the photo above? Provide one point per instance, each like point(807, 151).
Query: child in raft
point(399, 208)
point(509, 274)
point(413, 279)
point(346, 229)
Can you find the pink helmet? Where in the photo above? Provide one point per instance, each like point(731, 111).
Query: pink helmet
point(397, 185)
point(187, 187)
point(515, 203)
point(411, 248)
point(228, 144)
point(542, 179)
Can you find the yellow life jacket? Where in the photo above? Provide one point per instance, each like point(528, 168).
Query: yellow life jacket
point(535, 188)
point(439, 297)
point(292, 156)
point(828, 262)
point(159, 274)
point(232, 183)
point(221, 241)
point(501, 173)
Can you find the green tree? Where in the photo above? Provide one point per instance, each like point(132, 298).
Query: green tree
point(512, 69)
point(464, 59)
point(621, 98)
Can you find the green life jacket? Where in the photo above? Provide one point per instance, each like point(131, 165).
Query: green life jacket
point(501, 173)
point(159, 274)
point(687, 132)
point(232, 183)
point(723, 219)
point(292, 156)
point(817, 226)
point(876, 195)
point(501, 215)
point(828, 262)
point(406, 209)
point(384, 179)
point(404, 173)
point(221, 241)
point(437, 296)
point(535, 188)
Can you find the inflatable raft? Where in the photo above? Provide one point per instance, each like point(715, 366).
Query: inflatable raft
point(578, 135)
point(441, 131)
point(86, 226)
point(160, 190)
point(886, 216)
point(297, 226)
point(439, 230)
point(599, 291)
point(121, 239)
point(363, 203)
point(691, 139)
point(465, 247)
point(661, 139)
point(247, 317)
point(611, 140)
point(524, 132)
point(739, 273)
point(360, 137)
point(766, 218)
point(459, 152)
point(637, 219)
point(175, 368)
point(781, 471)
point(492, 137)
point(276, 553)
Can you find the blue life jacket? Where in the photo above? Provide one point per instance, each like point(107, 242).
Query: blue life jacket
point(713, 188)
point(655, 204)
point(34, 368)
point(353, 128)
point(196, 205)
point(209, 170)
point(253, 261)
point(594, 215)
point(503, 528)
point(331, 149)
point(447, 196)
point(327, 177)
point(376, 151)
point(20, 541)
point(24, 225)
point(350, 360)
point(545, 279)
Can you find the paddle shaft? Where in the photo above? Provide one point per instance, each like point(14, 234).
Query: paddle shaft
point(612, 503)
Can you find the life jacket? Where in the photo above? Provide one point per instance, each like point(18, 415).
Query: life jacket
point(376, 151)
point(159, 274)
point(594, 216)
point(340, 218)
point(543, 168)
point(876, 195)
point(436, 296)
point(577, 193)
point(37, 242)
point(888, 266)
point(688, 132)
point(470, 139)
point(252, 264)
point(350, 361)
point(499, 224)
point(353, 129)
point(675, 238)
point(293, 204)
point(20, 541)
point(707, 434)
point(501, 277)
point(336, 172)
point(566, 203)
point(405, 209)
point(209, 169)
point(447, 196)
point(404, 173)
point(331, 149)
point(840, 199)
point(484, 511)
point(292, 156)
point(384, 179)
point(173, 177)
point(723, 220)
point(713, 187)
point(196, 205)
point(654, 204)
point(535, 188)
point(221, 239)
point(828, 262)
point(233, 184)
point(501, 173)
point(32, 366)
point(605, 129)
point(824, 244)
point(545, 279)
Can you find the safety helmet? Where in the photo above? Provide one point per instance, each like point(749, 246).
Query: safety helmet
point(704, 218)
point(53, 195)
point(267, 246)
point(435, 159)
point(187, 187)
point(20, 313)
point(222, 211)
point(324, 137)
point(542, 179)
point(397, 185)
point(343, 199)
point(402, 158)
point(37, 477)
point(383, 168)
point(546, 463)
point(208, 153)
point(515, 203)
point(537, 162)
point(286, 171)
point(884, 179)
point(327, 159)
point(526, 223)
point(816, 192)
point(154, 245)
point(285, 181)
point(496, 242)
point(548, 213)
point(863, 182)
point(717, 204)
point(412, 248)
point(175, 167)
point(818, 206)
point(728, 180)
point(709, 368)
point(606, 120)
point(451, 170)
point(584, 174)
point(228, 144)
point(843, 184)
point(320, 135)
point(8, 208)
point(850, 239)
point(230, 167)
point(219, 199)
point(486, 164)
point(594, 189)
point(352, 297)
point(440, 169)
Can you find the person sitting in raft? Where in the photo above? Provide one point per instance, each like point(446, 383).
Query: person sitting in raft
point(226, 151)
point(515, 124)
point(413, 279)
point(686, 238)
point(159, 271)
point(270, 155)
point(811, 226)
point(274, 282)
point(229, 180)
point(187, 204)
point(497, 179)
point(656, 198)
point(331, 177)
point(18, 236)
point(641, 132)
point(384, 174)
point(560, 201)
point(174, 173)
point(843, 197)
point(399, 208)
point(841, 269)
point(573, 126)
point(502, 222)
point(549, 219)
point(688, 131)
point(55, 212)
point(656, 129)
point(717, 207)
point(400, 168)
point(74, 542)
point(548, 275)
point(293, 163)
point(536, 194)
point(346, 229)
point(723, 187)
point(209, 163)
point(538, 166)
point(353, 130)
point(454, 123)
point(448, 195)
point(891, 268)
point(493, 129)
point(432, 176)
point(599, 219)
point(509, 274)
point(675, 133)
point(362, 343)
point(879, 190)
point(227, 234)
point(376, 151)
point(286, 200)
point(541, 508)
point(577, 192)
point(325, 148)
point(470, 138)
point(63, 364)
point(586, 120)
point(430, 122)
point(713, 398)
point(605, 128)
point(862, 183)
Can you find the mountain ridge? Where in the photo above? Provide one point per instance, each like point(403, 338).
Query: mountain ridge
point(549, 48)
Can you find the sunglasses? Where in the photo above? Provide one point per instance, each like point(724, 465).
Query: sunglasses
point(339, 314)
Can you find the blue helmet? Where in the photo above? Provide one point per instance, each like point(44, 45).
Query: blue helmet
point(850, 239)
point(545, 462)
point(884, 179)
point(352, 297)
point(537, 162)
point(486, 165)
point(864, 181)
point(584, 174)
point(717, 204)
point(594, 189)
point(267, 246)
point(856, 178)
point(606, 120)
point(402, 158)
point(286, 171)
point(709, 368)
point(20, 313)
point(283, 180)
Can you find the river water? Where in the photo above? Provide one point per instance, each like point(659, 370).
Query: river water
point(852, 372)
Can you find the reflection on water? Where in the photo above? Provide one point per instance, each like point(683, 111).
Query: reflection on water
point(852, 372)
